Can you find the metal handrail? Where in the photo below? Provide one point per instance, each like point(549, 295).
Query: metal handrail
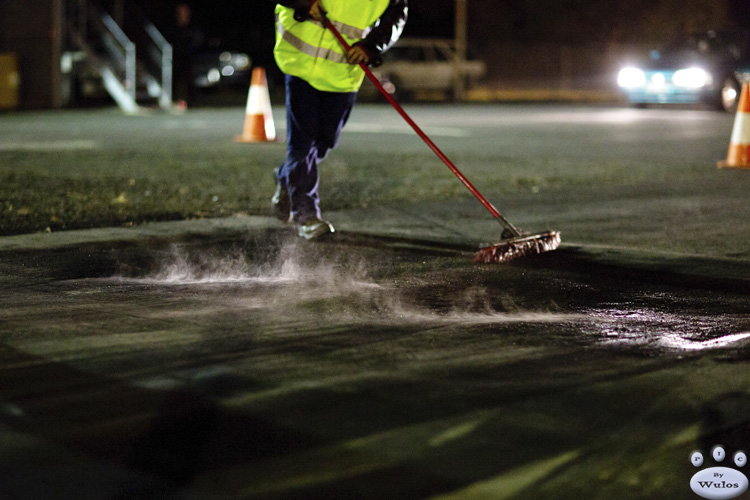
point(130, 57)
point(163, 59)
point(127, 55)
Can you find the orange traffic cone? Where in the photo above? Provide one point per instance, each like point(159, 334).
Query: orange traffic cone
point(739, 145)
point(258, 118)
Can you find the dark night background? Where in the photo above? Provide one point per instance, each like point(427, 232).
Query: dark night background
point(248, 24)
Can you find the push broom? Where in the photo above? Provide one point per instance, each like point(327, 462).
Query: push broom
point(514, 243)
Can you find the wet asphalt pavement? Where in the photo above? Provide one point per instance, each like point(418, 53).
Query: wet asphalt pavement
point(226, 359)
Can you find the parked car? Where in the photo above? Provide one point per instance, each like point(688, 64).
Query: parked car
point(216, 67)
point(699, 69)
point(416, 64)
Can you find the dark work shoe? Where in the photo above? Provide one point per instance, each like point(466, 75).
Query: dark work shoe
point(314, 228)
point(281, 207)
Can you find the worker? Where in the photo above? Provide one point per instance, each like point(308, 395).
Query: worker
point(322, 80)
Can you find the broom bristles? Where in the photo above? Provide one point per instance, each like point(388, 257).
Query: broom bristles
point(514, 248)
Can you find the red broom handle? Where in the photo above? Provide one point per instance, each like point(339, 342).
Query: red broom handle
point(421, 134)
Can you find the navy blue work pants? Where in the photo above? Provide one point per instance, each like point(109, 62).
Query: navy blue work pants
point(314, 122)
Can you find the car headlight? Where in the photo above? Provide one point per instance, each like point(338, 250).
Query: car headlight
point(631, 77)
point(237, 60)
point(692, 78)
point(241, 61)
point(213, 75)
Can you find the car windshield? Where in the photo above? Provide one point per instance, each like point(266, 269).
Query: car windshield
point(405, 53)
point(424, 52)
point(706, 44)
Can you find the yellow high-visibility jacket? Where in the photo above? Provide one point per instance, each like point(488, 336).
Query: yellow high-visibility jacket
point(310, 51)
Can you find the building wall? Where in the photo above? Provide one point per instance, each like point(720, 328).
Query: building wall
point(33, 31)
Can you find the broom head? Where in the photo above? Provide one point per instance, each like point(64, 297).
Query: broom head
point(520, 246)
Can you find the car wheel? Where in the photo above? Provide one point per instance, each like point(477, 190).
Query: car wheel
point(730, 95)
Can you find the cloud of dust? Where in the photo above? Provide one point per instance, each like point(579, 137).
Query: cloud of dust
point(342, 289)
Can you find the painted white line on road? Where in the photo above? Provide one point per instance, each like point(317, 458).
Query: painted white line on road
point(188, 125)
point(47, 146)
point(376, 128)
point(512, 482)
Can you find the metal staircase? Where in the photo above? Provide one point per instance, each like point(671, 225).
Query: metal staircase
point(131, 60)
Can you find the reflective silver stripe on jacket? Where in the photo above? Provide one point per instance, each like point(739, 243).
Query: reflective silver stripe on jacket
point(352, 32)
point(309, 49)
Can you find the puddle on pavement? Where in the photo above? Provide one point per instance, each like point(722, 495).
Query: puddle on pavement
point(645, 328)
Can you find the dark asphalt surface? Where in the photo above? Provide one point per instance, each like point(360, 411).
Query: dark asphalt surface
point(226, 359)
